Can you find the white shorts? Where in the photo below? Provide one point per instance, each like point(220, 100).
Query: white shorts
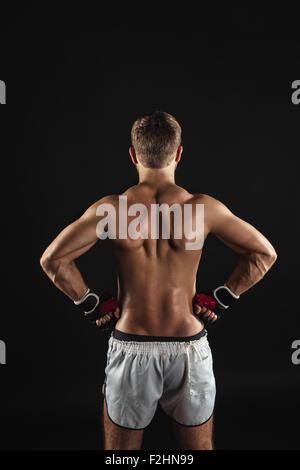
point(143, 371)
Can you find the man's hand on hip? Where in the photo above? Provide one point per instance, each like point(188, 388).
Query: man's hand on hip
point(208, 315)
point(107, 318)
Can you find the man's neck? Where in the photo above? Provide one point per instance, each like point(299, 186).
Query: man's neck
point(157, 178)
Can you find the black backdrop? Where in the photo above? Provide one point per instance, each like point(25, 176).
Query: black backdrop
point(77, 76)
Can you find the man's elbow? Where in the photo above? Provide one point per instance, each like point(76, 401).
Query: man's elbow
point(264, 260)
point(48, 263)
point(273, 256)
point(270, 256)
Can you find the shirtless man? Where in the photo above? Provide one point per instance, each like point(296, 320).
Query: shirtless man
point(158, 351)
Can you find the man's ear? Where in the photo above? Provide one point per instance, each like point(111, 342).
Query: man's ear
point(133, 155)
point(179, 154)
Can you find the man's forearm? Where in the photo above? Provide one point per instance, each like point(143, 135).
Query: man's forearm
point(66, 277)
point(249, 270)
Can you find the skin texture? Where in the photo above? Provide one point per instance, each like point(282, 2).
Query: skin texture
point(157, 278)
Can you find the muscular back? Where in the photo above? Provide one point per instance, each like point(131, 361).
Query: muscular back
point(156, 277)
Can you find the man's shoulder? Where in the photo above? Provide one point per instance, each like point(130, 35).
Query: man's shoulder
point(214, 209)
point(200, 198)
point(105, 200)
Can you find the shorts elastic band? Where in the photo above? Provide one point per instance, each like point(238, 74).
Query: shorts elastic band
point(119, 335)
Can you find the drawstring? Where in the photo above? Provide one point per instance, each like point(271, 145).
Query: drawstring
point(200, 350)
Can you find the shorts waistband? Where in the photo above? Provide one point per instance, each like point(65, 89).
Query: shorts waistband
point(121, 336)
point(168, 345)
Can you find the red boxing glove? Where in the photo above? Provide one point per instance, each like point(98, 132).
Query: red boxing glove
point(94, 306)
point(107, 306)
point(217, 300)
point(205, 301)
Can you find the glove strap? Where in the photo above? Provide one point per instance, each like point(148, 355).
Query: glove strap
point(225, 297)
point(89, 302)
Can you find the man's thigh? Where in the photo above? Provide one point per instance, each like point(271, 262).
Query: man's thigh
point(117, 438)
point(194, 437)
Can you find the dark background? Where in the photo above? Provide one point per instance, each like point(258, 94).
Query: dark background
point(77, 77)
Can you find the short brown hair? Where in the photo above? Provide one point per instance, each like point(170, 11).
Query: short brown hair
point(156, 138)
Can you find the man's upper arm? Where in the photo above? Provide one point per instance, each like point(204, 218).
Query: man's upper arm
point(233, 231)
point(77, 238)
